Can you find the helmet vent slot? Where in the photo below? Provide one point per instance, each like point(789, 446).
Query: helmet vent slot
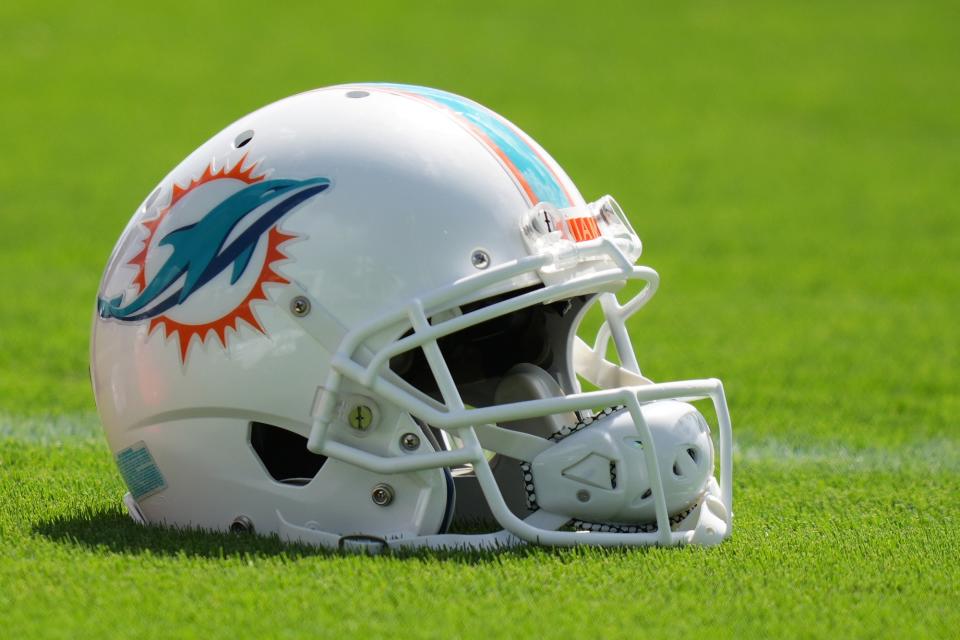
point(243, 139)
point(284, 454)
point(692, 453)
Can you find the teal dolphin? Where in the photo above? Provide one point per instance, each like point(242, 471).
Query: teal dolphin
point(199, 253)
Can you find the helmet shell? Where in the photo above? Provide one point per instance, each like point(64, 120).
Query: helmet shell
point(417, 181)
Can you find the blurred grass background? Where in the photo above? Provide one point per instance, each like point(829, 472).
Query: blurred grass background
point(792, 168)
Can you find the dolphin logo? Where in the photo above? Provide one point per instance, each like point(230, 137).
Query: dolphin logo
point(200, 250)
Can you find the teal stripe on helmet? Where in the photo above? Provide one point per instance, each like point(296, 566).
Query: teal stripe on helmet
point(538, 175)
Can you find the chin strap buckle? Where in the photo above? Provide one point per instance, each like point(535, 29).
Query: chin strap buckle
point(362, 542)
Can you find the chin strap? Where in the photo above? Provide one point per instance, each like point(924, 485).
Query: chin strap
point(445, 541)
point(602, 373)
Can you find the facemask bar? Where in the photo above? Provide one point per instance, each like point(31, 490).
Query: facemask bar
point(575, 268)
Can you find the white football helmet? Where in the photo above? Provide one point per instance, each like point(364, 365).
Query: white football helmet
point(350, 319)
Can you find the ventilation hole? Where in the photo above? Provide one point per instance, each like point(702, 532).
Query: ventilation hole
point(692, 453)
point(284, 454)
point(357, 94)
point(646, 494)
point(676, 470)
point(613, 475)
point(243, 139)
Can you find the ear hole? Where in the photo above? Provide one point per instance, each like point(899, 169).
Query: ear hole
point(676, 470)
point(692, 453)
point(646, 494)
point(284, 454)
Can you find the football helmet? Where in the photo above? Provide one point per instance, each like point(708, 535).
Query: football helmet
point(351, 319)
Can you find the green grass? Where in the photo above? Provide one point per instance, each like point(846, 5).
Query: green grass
point(793, 171)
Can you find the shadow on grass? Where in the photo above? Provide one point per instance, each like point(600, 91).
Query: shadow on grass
point(111, 531)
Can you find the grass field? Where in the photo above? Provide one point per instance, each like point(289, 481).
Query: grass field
point(794, 172)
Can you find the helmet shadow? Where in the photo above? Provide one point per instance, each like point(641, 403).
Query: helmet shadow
point(106, 529)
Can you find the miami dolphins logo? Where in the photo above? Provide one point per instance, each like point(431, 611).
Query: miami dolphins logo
point(184, 256)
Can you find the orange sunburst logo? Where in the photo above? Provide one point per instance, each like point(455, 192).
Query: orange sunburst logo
point(186, 260)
